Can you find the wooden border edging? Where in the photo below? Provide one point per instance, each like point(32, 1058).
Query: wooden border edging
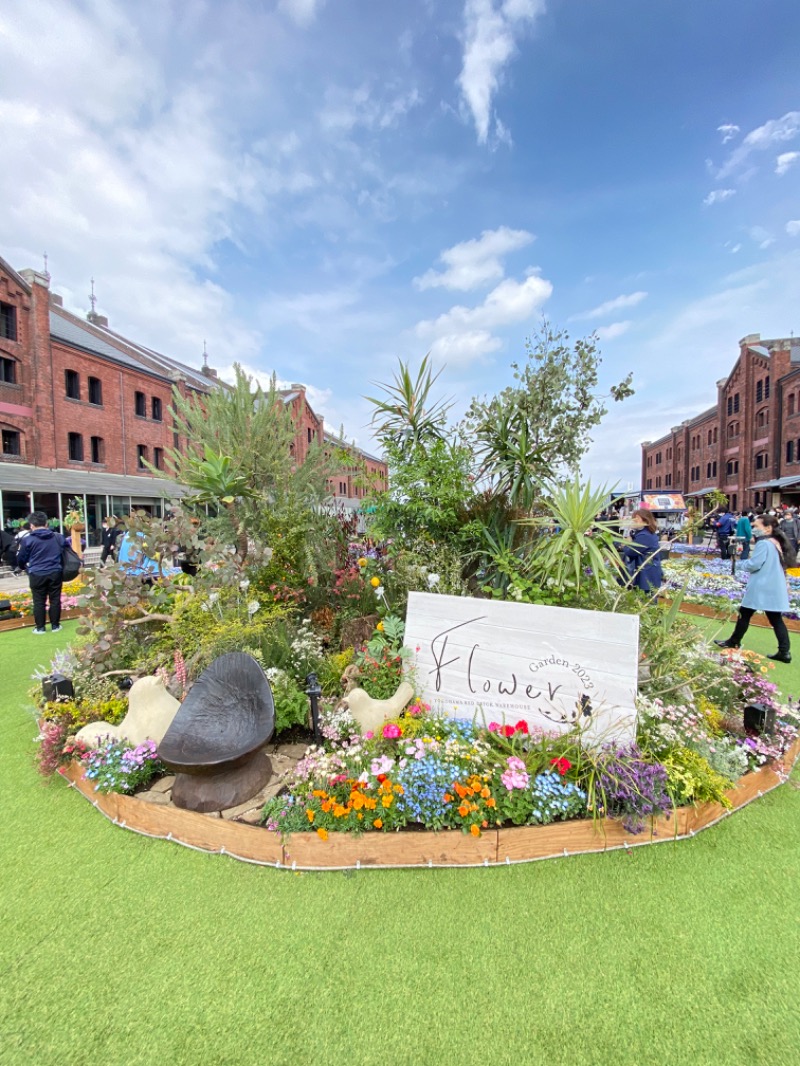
point(702, 610)
point(344, 851)
point(26, 621)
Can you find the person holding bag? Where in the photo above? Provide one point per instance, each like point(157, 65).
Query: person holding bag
point(767, 590)
point(41, 555)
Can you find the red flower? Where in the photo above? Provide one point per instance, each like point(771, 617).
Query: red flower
point(381, 778)
point(522, 726)
point(507, 731)
point(562, 765)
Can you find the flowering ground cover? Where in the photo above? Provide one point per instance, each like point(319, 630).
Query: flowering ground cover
point(603, 943)
point(709, 581)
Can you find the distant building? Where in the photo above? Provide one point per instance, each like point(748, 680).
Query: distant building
point(83, 408)
point(748, 444)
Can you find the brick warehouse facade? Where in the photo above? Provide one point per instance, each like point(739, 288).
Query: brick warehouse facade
point(748, 444)
point(83, 408)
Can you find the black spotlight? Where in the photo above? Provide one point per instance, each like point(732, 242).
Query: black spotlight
point(758, 718)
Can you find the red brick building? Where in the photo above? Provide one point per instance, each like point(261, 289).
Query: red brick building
point(748, 444)
point(82, 409)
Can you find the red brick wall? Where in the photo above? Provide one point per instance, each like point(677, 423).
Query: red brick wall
point(17, 400)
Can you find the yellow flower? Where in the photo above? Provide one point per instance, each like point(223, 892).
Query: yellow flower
point(379, 627)
point(310, 815)
point(475, 830)
point(375, 582)
point(322, 834)
point(362, 562)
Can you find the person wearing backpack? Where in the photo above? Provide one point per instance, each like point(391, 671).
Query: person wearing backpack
point(40, 555)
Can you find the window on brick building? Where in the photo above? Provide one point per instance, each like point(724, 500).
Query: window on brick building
point(736, 403)
point(708, 471)
point(12, 442)
point(158, 458)
point(310, 434)
point(766, 387)
point(759, 391)
point(75, 447)
point(790, 451)
point(797, 449)
point(98, 450)
point(716, 434)
point(649, 483)
point(730, 405)
point(734, 502)
point(96, 392)
point(140, 404)
point(8, 370)
point(72, 384)
point(658, 482)
point(667, 480)
point(141, 456)
point(155, 409)
point(8, 321)
point(790, 404)
point(709, 436)
point(658, 458)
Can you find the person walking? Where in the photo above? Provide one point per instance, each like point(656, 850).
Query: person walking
point(767, 590)
point(788, 527)
point(641, 556)
point(40, 555)
point(744, 534)
point(109, 536)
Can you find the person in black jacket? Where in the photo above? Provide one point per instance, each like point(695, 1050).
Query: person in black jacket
point(110, 535)
point(40, 554)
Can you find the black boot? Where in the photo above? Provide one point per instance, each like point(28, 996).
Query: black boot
point(727, 644)
point(781, 656)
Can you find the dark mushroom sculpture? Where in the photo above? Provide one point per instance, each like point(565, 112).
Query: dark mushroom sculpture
point(216, 740)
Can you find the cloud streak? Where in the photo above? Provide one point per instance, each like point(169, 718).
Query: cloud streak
point(490, 37)
point(476, 262)
point(619, 303)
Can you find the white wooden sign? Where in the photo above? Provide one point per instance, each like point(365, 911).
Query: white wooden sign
point(551, 666)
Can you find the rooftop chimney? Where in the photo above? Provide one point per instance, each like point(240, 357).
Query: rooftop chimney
point(35, 277)
point(97, 320)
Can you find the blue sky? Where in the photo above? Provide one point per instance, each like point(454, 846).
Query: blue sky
point(318, 187)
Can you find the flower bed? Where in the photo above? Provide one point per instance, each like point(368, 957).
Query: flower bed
point(711, 584)
point(425, 849)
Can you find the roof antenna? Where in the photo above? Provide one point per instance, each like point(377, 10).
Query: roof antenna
point(46, 271)
point(93, 298)
point(205, 357)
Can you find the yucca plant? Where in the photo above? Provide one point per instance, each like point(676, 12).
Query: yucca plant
point(573, 548)
point(215, 481)
point(409, 416)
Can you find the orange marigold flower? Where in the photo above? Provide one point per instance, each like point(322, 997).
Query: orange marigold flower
point(319, 793)
point(322, 834)
point(459, 789)
point(463, 810)
point(310, 815)
point(491, 802)
point(386, 801)
point(448, 798)
point(326, 806)
point(370, 803)
point(360, 816)
point(378, 823)
point(475, 830)
point(357, 800)
point(485, 792)
point(399, 790)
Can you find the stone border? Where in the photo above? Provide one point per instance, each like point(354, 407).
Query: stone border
point(344, 851)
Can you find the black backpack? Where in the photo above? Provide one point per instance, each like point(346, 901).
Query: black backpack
point(70, 563)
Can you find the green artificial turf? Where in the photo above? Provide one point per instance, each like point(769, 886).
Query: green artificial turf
point(117, 949)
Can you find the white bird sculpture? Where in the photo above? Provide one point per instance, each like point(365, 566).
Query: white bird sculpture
point(370, 714)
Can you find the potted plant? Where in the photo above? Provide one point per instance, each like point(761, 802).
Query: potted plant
point(75, 518)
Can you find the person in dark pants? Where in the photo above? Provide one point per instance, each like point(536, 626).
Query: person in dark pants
point(111, 532)
point(40, 555)
point(766, 589)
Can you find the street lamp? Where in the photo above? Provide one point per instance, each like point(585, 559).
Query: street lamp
point(313, 691)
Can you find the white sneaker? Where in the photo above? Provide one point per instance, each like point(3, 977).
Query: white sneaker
point(38, 632)
point(55, 629)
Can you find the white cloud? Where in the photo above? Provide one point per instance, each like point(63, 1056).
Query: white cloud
point(716, 196)
point(491, 29)
point(762, 237)
point(473, 263)
point(464, 333)
point(303, 12)
point(346, 109)
point(793, 228)
point(776, 131)
point(735, 248)
point(728, 132)
point(784, 161)
point(610, 306)
point(615, 329)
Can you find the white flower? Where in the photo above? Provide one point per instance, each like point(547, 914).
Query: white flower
point(252, 607)
point(212, 599)
point(433, 580)
point(380, 592)
point(244, 585)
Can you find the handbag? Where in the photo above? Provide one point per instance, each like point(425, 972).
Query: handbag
point(70, 563)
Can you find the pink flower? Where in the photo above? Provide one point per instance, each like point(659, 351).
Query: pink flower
point(516, 764)
point(391, 731)
point(494, 727)
point(369, 735)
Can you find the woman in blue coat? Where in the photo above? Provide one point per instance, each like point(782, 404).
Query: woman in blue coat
point(766, 588)
point(641, 556)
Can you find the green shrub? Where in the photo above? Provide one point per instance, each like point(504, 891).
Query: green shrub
point(291, 703)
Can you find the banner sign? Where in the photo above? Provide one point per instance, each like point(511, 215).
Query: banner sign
point(663, 501)
point(502, 662)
